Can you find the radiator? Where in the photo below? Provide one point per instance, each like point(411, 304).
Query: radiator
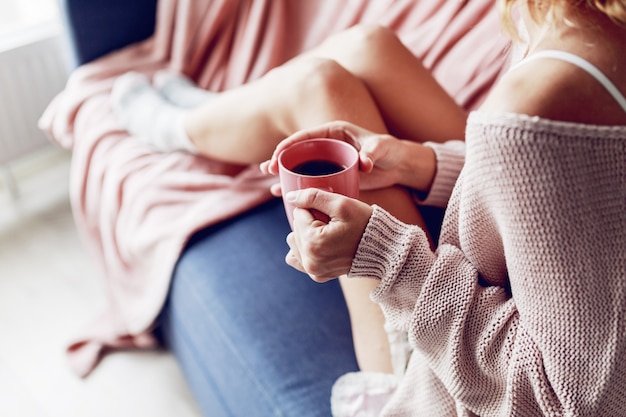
point(31, 73)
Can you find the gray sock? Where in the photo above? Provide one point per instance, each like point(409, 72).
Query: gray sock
point(181, 90)
point(148, 115)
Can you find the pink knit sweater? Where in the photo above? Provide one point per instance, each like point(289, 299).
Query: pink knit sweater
point(521, 310)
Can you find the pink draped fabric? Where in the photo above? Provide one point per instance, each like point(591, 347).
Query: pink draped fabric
point(136, 208)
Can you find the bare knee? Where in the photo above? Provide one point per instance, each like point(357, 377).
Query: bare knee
point(316, 90)
point(324, 78)
point(372, 37)
point(365, 40)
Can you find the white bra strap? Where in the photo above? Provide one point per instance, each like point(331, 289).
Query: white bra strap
point(585, 65)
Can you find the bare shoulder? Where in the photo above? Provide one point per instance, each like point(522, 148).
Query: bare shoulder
point(555, 90)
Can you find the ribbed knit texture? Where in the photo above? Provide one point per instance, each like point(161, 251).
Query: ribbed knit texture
point(450, 158)
point(522, 309)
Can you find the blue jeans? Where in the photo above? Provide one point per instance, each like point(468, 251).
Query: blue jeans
point(253, 336)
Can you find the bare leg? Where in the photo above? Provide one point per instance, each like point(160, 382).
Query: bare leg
point(381, 79)
point(255, 117)
point(412, 103)
point(361, 73)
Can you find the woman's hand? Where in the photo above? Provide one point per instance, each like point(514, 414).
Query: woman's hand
point(383, 158)
point(325, 250)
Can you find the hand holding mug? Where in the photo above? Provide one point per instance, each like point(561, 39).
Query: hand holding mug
point(383, 159)
point(326, 164)
point(324, 250)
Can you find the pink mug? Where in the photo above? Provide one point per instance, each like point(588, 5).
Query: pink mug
point(327, 164)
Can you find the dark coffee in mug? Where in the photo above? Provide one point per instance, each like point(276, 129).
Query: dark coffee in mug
point(317, 167)
point(326, 164)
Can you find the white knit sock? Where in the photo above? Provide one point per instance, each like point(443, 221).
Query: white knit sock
point(147, 115)
point(180, 90)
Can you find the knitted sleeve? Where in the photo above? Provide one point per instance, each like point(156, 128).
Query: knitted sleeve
point(548, 336)
point(464, 330)
point(450, 156)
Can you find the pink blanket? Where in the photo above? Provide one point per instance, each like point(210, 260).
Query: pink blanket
point(136, 208)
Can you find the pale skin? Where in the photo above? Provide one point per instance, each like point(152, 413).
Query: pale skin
point(545, 88)
point(346, 78)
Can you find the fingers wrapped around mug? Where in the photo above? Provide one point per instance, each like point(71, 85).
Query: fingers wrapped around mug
point(325, 250)
point(338, 130)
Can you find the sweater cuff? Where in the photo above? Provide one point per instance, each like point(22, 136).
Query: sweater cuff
point(373, 259)
point(400, 257)
point(450, 159)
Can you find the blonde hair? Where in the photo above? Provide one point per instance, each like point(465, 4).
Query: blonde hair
point(613, 9)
